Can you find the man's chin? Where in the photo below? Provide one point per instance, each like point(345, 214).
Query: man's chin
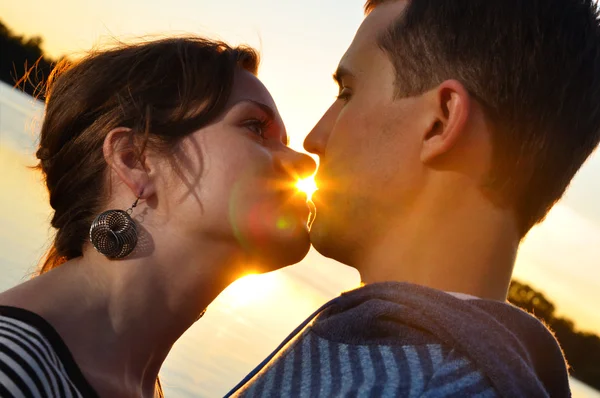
point(321, 239)
point(333, 242)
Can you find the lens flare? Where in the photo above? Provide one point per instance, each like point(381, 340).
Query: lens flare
point(284, 223)
point(308, 186)
point(253, 223)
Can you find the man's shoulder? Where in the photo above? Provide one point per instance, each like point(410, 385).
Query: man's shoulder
point(400, 313)
point(378, 310)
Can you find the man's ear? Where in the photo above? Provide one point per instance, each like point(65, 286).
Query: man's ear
point(123, 157)
point(452, 106)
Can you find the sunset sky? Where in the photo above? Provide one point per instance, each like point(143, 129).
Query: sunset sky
point(301, 43)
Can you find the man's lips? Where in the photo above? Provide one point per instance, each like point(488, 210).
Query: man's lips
point(322, 183)
point(317, 197)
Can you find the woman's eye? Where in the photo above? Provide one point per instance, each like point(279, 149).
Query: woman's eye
point(257, 127)
point(345, 94)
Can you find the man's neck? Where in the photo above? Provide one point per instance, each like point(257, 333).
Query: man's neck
point(467, 249)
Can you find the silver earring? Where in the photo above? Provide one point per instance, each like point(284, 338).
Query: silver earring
point(114, 233)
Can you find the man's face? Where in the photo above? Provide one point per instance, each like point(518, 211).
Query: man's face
point(369, 147)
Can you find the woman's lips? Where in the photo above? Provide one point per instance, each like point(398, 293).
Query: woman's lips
point(297, 201)
point(300, 206)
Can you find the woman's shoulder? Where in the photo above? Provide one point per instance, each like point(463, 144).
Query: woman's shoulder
point(34, 361)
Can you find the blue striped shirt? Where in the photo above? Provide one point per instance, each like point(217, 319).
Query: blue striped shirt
point(315, 367)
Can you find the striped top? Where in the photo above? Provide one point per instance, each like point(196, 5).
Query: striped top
point(34, 360)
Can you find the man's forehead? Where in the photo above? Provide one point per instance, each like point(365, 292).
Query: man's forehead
point(373, 25)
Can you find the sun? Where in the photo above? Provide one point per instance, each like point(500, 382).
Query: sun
point(308, 186)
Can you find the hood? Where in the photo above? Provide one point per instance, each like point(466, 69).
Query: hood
point(518, 354)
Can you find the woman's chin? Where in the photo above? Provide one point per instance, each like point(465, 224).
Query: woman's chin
point(283, 251)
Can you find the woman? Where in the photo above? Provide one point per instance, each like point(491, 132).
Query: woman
point(180, 135)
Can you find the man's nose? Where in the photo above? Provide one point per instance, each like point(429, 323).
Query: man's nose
point(316, 141)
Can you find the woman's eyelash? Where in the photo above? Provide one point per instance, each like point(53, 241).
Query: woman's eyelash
point(257, 126)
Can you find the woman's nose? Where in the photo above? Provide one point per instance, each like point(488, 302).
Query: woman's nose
point(296, 164)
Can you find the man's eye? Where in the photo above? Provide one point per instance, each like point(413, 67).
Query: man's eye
point(345, 94)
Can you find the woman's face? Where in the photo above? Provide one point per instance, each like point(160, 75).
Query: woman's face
point(236, 181)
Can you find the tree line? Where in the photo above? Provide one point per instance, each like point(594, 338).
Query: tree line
point(22, 62)
point(582, 350)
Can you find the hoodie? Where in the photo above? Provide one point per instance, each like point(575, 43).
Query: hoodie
point(395, 339)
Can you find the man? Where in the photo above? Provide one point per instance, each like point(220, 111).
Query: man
point(458, 125)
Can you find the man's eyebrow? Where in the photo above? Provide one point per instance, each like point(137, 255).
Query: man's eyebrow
point(340, 73)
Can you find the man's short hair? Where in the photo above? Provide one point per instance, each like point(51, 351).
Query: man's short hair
point(533, 65)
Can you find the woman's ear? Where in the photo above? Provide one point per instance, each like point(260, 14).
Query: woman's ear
point(123, 157)
point(452, 107)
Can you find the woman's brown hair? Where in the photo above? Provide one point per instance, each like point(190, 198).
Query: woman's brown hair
point(162, 90)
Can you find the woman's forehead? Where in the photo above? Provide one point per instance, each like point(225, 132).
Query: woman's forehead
point(246, 86)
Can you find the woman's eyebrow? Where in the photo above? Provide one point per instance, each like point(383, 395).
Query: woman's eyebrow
point(265, 108)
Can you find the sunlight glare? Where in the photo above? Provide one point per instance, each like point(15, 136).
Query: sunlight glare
point(308, 186)
point(251, 290)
